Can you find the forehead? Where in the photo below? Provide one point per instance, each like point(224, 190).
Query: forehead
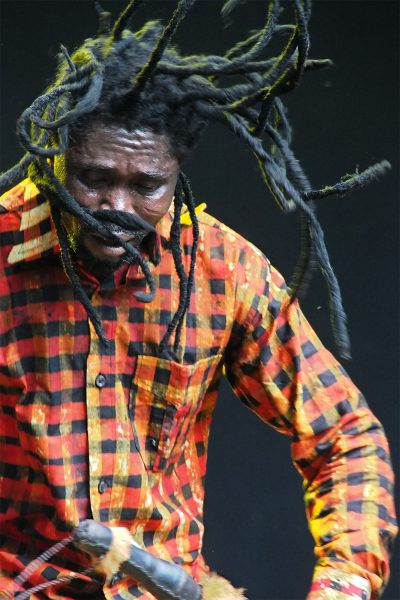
point(113, 145)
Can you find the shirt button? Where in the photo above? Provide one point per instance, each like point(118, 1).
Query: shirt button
point(101, 380)
point(103, 486)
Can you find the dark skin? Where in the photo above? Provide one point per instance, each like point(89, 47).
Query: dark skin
point(112, 168)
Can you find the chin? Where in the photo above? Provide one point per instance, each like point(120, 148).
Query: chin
point(98, 257)
point(98, 264)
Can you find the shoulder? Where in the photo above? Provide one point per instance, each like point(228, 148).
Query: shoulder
point(14, 202)
point(11, 208)
point(217, 238)
point(247, 272)
point(246, 276)
point(24, 221)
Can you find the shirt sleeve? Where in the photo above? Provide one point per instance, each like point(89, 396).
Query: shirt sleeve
point(277, 365)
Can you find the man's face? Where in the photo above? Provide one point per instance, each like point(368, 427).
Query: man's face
point(111, 168)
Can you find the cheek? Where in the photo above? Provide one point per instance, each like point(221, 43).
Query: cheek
point(72, 186)
point(86, 198)
point(154, 211)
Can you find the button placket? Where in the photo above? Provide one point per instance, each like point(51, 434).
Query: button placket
point(100, 393)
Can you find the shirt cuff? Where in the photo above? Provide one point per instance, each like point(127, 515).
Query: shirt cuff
point(334, 584)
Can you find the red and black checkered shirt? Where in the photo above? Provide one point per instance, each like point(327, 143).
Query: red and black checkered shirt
point(120, 435)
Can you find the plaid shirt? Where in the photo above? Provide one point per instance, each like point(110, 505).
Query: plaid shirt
point(120, 435)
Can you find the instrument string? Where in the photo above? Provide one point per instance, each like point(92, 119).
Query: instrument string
point(46, 584)
point(34, 565)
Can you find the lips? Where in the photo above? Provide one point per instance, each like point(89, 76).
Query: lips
point(125, 228)
point(101, 248)
point(108, 249)
point(111, 243)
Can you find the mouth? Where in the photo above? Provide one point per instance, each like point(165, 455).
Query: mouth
point(103, 247)
point(111, 243)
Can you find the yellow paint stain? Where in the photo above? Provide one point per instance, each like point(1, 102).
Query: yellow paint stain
point(185, 218)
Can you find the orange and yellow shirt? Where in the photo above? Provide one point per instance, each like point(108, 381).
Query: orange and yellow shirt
point(119, 434)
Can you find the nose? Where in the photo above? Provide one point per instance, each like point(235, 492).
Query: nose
point(117, 198)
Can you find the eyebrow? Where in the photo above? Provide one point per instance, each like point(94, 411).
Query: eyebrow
point(100, 168)
point(154, 174)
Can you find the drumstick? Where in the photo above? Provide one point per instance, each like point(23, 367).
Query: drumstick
point(117, 551)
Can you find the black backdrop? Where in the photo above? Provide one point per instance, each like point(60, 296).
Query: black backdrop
point(344, 118)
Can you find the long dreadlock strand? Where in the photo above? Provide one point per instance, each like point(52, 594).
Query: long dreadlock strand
point(277, 73)
point(338, 316)
point(31, 114)
point(292, 164)
point(306, 262)
point(142, 296)
point(76, 80)
point(86, 104)
point(20, 171)
point(262, 39)
point(206, 67)
point(281, 73)
point(177, 256)
point(123, 20)
point(274, 175)
point(169, 31)
point(277, 183)
point(302, 273)
point(350, 183)
point(301, 38)
point(281, 137)
point(189, 200)
point(243, 46)
point(270, 169)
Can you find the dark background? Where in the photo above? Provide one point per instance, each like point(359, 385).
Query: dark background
point(344, 118)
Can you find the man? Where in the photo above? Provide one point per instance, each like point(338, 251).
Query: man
point(111, 365)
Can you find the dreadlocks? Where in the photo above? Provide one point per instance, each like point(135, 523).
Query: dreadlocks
point(125, 78)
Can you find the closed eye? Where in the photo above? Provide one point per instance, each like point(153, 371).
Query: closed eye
point(92, 178)
point(147, 189)
point(149, 185)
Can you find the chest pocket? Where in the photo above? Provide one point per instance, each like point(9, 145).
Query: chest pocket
point(166, 396)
